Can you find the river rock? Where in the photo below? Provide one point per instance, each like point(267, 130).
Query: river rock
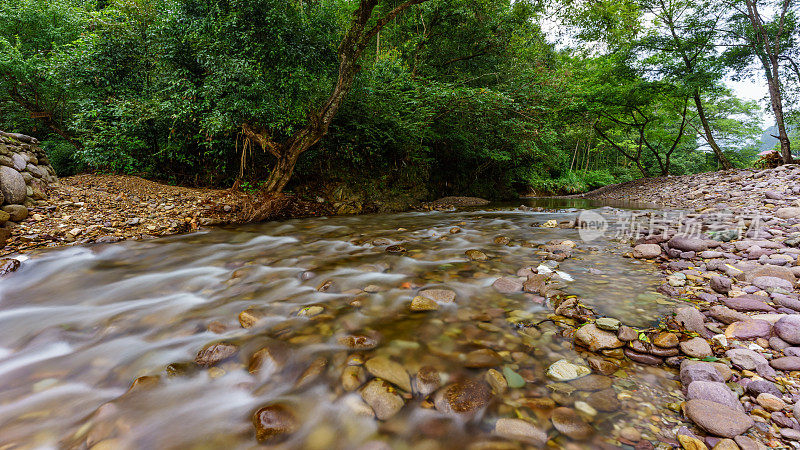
point(571, 424)
point(274, 424)
point(747, 303)
point(463, 397)
point(643, 358)
point(770, 402)
point(604, 400)
point(772, 283)
point(721, 284)
point(439, 295)
point(756, 387)
point(520, 430)
point(717, 419)
point(382, 398)
point(788, 213)
point(696, 348)
point(476, 255)
point(690, 318)
point(420, 303)
point(482, 358)
point(507, 285)
point(591, 382)
point(769, 270)
point(788, 328)
point(427, 381)
point(12, 185)
point(596, 339)
point(607, 324)
point(215, 353)
point(786, 363)
point(646, 251)
point(745, 358)
point(627, 334)
point(715, 392)
point(727, 315)
point(390, 371)
point(17, 213)
point(563, 370)
point(666, 339)
point(699, 372)
point(687, 244)
point(751, 329)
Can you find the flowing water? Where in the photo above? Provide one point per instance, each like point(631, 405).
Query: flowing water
point(78, 325)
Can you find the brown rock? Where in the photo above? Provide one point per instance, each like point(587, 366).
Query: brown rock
point(274, 424)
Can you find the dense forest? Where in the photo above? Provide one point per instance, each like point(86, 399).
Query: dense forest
point(398, 99)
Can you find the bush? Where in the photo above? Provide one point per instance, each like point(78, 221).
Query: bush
point(63, 157)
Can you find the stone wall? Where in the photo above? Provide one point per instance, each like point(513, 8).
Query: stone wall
point(25, 174)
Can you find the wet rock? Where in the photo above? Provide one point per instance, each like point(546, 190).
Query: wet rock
point(721, 284)
point(463, 397)
point(607, 324)
point(390, 371)
point(646, 251)
point(420, 303)
point(514, 380)
point(439, 295)
point(696, 348)
point(745, 358)
point(747, 303)
point(717, 419)
point(769, 270)
point(630, 434)
point(8, 265)
point(427, 381)
point(397, 248)
point(687, 244)
point(604, 400)
point(382, 398)
point(273, 357)
point(591, 383)
point(496, 380)
point(787, 363)
point(353, 377)
point(715, 392)
point(690, 318)
point(770, 402)
point(602, 366)
point(507, 285)
point(788, 329)
point(727, 315)
point(596, 339)
point(627, 334)
point(643, 358)
point(563, 370)
point(535, 283)
point(571, 424)
point(476, 255)
point(215, 353)
point(274, 424)
point(12, 186)
point(666, 339)
point(520, 430)
point(691, 443)
point(482, 358)
point(312, 372)
point(358, 342)
point(750, 329)
point(772, 283)
point(17, 213)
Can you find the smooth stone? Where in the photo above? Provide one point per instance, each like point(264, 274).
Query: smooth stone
point(745, 358)
point(756, 387)
point(687, 244)
point(714, 392)
point(439, 295)
point(786, 363)
point(666, 339)
point(699, 372)
point(717, 419)
point(591, 382)
point(720, 284)
point(643, 358)
point(627, 334)
point(770, 270)
point(563, 370)
point(596, 339)
point(750, 329)
point(696, 347)
point(482, 358)
point(607, 323)
point(772, 283)
point(382, 367)
point(788, 328)
point(571, 424)
point(790, 434)
point(214, 353)
point(727, 315)
point(770, 402)
point(514, 380)
point(274, 424)
point(604, 400)
point(476, 255)
point(520, 430)
point(463, 397)
point(747, 303)
point(646, 251)
point(421, 304)
point(496, 380)
point(690, 318)
point(507, 285)
point(427, 381)
point(382, 398)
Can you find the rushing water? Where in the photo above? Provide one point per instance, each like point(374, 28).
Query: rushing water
point(78, 325)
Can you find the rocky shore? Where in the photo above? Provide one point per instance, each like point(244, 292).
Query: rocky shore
point(734, 258)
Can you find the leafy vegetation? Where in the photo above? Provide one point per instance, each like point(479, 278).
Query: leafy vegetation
point(421, 98)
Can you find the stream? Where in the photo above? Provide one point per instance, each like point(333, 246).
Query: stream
point(78, 325)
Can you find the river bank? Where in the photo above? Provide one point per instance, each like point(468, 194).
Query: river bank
point(734, 256)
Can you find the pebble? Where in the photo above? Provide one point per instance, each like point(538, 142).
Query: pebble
point(274, 424)
point(717, 419)
point(382, 398)
point(570, 423)
point(382, 367)
point(563, 370)
point(520, 430)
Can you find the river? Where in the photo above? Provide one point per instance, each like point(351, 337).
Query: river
point(78, 325)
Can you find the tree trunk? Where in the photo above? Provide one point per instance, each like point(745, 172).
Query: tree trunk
point(721, 158)
point(777, 109)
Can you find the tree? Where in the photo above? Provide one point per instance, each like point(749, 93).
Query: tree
point(770, 42)
point(361, 31)
point(688, 31)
